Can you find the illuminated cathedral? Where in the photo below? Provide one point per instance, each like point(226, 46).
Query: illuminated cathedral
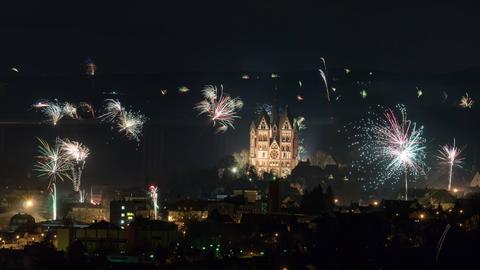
point(274, 143)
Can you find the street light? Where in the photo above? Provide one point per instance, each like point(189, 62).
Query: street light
point(28, 203)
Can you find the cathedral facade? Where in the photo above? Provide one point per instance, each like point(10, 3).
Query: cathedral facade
point(274, 143)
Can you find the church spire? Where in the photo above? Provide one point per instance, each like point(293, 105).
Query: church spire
point(274, 119)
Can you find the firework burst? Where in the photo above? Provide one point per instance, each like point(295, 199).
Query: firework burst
point(450, 155)
point(391, 145)
point(128, 122)
point(52, 110)
point(466, 102)
point(70, 110)
point(220, 107)
point(131, 124)
point(77, 154)
point(52, 164)
point(113, 110)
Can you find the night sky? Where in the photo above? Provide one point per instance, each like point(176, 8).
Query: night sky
point(249, 35)
point(140, 49)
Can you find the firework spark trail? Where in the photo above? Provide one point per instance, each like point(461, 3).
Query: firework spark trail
point(128, 122)
point(70, 110)
point(324, 77)
point(449, 154)
point(131, 124)
point(391, 145)
point(52, 164)
point(220, 108)
point(153, 192)
point(52, 110)
point(466, 102)
point(113, 110)
point(77, 154)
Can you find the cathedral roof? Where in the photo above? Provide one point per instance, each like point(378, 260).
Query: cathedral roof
point(264, 114)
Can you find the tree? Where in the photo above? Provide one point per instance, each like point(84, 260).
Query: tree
point(313, 201)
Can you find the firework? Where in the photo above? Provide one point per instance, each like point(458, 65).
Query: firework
point(52, 164)
point(419, 92)
point(113, 110)
point(363, 94)
point(87, 108)
point(153, 192)
point(52, 110)
point(263, 108)
point(76, 153)
point(70, 110)
point(183, 89)
point(128, 122)
point(300, 123)
point(392, 145)
point(220, 107)
point(466, 102)
point(444, 96)
point(449, 154)
point(324, 78)
point(131, 124)
point(40, 104)
point(90, 67)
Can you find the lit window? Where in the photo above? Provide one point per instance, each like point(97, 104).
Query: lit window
point(122, 221)
point(123, 207)
point(122, 215)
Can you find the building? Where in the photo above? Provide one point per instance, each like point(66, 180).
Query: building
point(274, 143)
point(88, 213)
point(99, 236)
point(185, 211)
point(144, 235)
point(122, 212)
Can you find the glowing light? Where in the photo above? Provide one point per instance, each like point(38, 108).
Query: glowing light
point(324, 78)
point(28, 203)
point(153, 192)
point(466, 102)
point(391, 145)
point(419, 92)
point(449, 154)
point(90, 67)
point(220, 108)
point(183, 89)
point(363, 93)
point(245, 77)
